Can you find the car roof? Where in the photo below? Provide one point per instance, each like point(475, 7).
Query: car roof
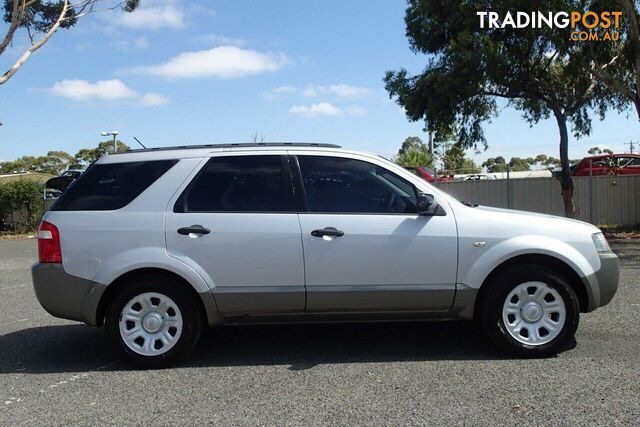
point(199, 151)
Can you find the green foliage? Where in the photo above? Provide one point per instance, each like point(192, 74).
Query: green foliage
point(414, 157)
point(414, 152)
point(594, 151)
point(87, 156)
point(455, 161)
point(56, 162)
point(495, 164)
point(538, 71)
point(23, 194)
point(40, 15)
point(516, 164)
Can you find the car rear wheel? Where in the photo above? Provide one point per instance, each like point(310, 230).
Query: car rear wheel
point(154, 322)
point(530, 310)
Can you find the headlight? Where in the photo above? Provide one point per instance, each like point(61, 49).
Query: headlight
point(601, 243)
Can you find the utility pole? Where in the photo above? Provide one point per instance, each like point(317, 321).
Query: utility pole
point(631, 146)
point(431, 143)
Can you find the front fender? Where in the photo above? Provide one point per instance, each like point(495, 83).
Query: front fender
point(476, 263)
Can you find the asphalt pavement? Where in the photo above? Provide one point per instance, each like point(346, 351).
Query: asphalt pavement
point(438, 373)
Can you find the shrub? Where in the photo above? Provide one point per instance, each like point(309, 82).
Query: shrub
point(24, 196)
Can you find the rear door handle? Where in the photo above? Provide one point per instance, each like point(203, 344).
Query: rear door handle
point(194, 229)
point(327, 231)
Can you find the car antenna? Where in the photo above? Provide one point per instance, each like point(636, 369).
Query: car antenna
point(138, 141)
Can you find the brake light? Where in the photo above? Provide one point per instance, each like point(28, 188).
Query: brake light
point(49, 243)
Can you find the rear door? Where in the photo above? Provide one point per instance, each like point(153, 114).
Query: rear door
point(235, 223)
point(366, 248)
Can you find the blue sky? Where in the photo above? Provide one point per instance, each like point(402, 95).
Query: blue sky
point(178, 72)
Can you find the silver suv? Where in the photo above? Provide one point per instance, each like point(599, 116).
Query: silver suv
point(156, 244)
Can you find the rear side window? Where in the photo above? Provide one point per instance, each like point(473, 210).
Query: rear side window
point(238, 184)
point(111, 186)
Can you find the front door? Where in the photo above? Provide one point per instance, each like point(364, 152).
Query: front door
point(365, 247)
point(236, 224)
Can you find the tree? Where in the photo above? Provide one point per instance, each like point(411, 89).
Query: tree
point(594, 151)
point(413, 143)
point(455, 160)
point(414, 157)
point(469, 68)
point(516, 164)
point(497, 164)
point(53, 163)
point(41, 19)
point(617, 64)
point(414, 152)
point(86, 156)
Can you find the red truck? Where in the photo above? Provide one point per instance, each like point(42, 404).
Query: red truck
point(427, 174)
point(608, 164)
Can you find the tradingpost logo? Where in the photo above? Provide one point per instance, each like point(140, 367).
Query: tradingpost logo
point(585, 26)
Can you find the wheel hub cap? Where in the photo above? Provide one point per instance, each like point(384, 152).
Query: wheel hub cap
point(152, 322)
point(531, 312)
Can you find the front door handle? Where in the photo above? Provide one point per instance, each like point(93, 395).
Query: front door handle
point(194, 229)
point(327, 231)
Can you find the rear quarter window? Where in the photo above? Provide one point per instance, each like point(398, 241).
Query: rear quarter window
point(105, 187)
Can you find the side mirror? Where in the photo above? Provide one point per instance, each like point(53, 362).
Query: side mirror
point(427, 205)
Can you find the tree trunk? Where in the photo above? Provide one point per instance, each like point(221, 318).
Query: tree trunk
point(566, 181)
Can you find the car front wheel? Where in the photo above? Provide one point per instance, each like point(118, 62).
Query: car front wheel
point(530, 310)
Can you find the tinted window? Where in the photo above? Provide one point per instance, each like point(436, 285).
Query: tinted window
point(111, 186)
point(237, 184)
point(335, 184)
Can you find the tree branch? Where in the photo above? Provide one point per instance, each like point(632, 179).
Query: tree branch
point(634, 25)
point(37, 45)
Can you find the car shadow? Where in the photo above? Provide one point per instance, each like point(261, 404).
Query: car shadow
point(77, 348)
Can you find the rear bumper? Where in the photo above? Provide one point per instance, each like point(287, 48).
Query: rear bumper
point(603, 284)
point(64, 295)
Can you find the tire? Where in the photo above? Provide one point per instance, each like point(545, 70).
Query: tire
point(154, 322)
point(534, 298)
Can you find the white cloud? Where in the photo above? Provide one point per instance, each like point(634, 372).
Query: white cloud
point(152, 99)
point(221, 62)
point(357, 111)
point(313, 110)
point(82, 90)
point(347, 91)
point(104, 90)
point(281, 90)
point(125, 45)
point(310, 92)
point(153, 18)
point(337, 91)
point(218, 40)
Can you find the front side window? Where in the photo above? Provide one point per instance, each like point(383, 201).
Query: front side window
point(339, 185)
point(111, 186)
point(237, 184)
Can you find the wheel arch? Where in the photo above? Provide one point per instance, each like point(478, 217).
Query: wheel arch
point(121, 282)
point(556, 264)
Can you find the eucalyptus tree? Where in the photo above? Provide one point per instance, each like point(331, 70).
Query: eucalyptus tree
point(472, 72)
point(40, 19)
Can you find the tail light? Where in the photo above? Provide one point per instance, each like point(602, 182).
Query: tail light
point(49, 243)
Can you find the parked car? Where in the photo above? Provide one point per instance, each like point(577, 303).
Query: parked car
point(608, 164)
point(427, 174)
point(478, 177)
point(62, 181)
point(157, 244)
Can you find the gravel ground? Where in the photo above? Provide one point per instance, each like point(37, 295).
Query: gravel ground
point(58, 372)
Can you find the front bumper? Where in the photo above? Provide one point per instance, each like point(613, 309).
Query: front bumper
point(603, 284)
point(64, 295)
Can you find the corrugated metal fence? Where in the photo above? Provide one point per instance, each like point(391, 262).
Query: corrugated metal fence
point(611, 200)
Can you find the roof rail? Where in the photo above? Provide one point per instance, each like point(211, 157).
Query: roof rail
point(236, 145)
